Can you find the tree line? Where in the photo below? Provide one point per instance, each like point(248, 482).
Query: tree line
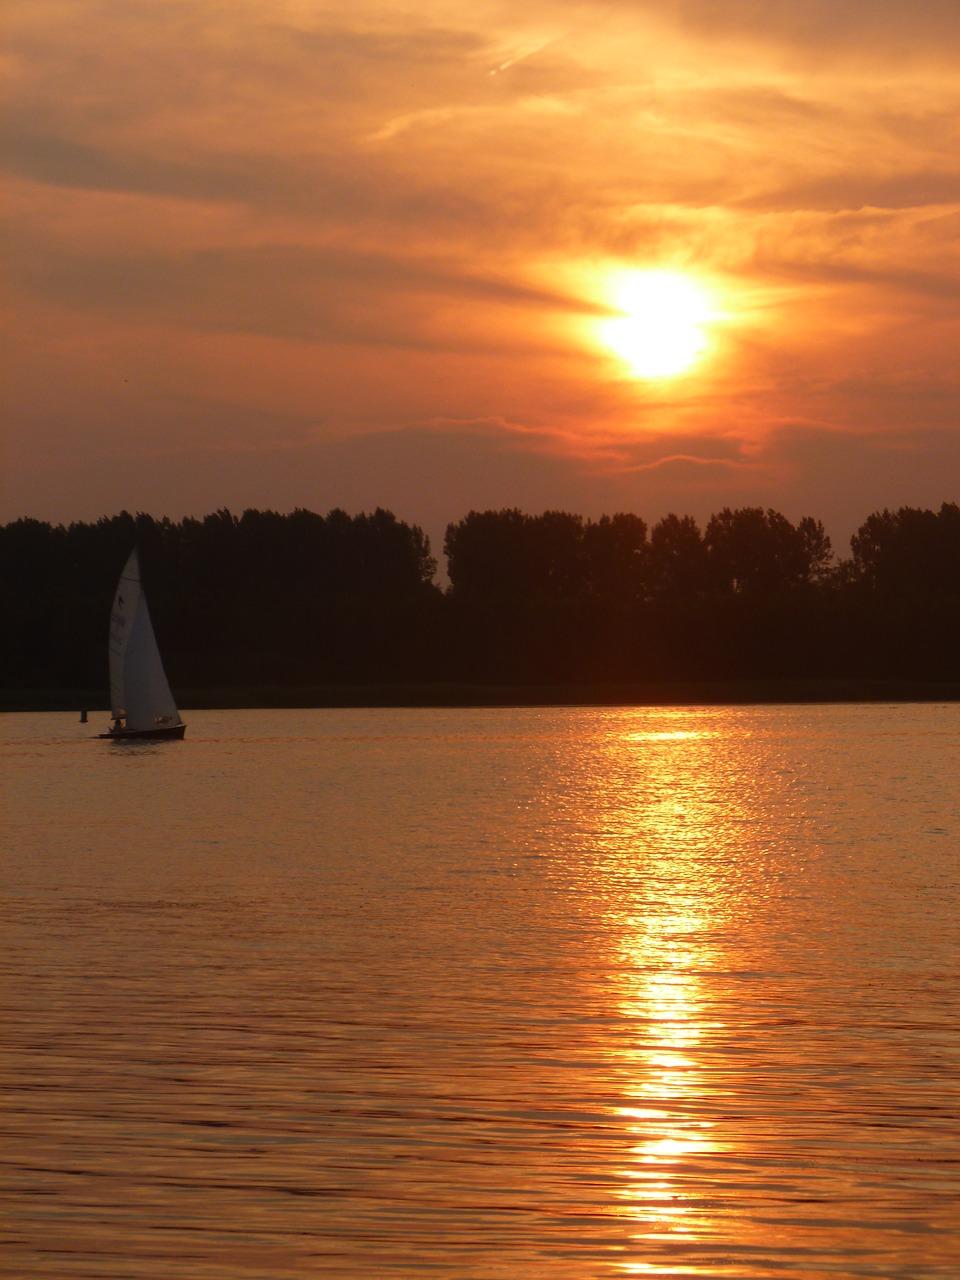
point(302, 599)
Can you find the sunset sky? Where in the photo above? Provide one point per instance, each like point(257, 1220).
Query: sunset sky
point(302, 254)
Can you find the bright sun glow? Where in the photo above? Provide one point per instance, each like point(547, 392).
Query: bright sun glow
point(659, 329)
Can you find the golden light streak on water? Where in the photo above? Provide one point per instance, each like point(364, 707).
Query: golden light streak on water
point(558, 993)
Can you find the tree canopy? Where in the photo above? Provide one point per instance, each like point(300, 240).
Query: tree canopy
point(303, 598)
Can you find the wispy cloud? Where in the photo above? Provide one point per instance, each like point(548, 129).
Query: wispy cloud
point(399, 218)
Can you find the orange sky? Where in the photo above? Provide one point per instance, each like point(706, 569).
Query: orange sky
point(306, 254)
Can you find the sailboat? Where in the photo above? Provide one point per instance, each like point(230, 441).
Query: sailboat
point(141, 703)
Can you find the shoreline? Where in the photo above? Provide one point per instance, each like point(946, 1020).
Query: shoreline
point(659, 693)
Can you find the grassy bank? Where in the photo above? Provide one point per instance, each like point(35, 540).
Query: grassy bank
point(686, 693)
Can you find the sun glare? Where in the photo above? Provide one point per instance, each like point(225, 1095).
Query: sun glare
point(659, 329)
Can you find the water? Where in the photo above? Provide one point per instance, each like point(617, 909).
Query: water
point(557, 994)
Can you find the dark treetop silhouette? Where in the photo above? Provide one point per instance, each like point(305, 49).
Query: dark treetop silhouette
point(300, 599)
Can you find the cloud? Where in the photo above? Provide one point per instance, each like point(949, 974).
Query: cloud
point(341, 231)
point(296, 291)
point(194, 454)
point(831, 28)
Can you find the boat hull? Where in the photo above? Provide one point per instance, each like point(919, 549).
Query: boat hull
point(168, 732)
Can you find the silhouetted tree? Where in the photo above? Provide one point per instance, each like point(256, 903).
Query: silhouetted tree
point(556, 555)
point(298, 599)
point(510, 555)
point(757, 551)
point(234, 599)
point(910, 550)
point(546, 598)
point(903, 588)
point(679, 562)
point(614, 556)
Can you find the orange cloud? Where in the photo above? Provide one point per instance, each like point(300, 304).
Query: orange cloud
point(283, 228)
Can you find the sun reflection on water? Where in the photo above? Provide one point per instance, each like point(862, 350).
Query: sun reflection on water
point(665, 829)
point(665, 735)
point(663, 1070)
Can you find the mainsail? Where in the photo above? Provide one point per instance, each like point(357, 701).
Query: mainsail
point(139, 692)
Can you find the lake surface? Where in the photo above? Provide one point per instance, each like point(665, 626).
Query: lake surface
point(539, 993)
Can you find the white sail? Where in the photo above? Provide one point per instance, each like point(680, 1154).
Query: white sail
point(139, 691)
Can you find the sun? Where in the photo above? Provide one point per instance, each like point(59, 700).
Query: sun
point(659, 328)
